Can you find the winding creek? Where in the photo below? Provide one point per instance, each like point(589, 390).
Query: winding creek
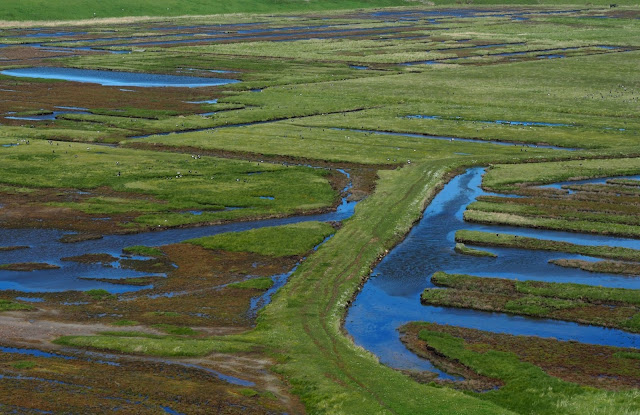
point(45, 247)
point(391, 297)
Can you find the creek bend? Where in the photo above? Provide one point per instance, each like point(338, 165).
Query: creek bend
point(391, 296)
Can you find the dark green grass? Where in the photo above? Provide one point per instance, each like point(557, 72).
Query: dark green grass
point(278, 241)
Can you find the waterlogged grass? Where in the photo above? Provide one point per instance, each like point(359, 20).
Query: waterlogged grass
point(463, 249)
point(263, 283)
point(513, 241)
point(526, 385)
point(277, 241)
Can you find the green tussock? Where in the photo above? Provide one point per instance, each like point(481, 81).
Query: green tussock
point(263, 283)
point(8, 305)
point(463, 249)
point(143, 251)
point(278, 241)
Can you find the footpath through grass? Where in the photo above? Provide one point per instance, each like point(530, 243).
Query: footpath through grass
point(302, 326)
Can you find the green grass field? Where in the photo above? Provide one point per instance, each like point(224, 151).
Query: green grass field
point(317, 113)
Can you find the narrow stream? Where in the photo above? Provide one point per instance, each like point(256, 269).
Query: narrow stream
point(391, 297)
point(45, 247)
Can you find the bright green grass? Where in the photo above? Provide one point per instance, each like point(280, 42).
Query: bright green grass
point(527, 386)
point(277, 241)
point(284, 138)
point(171, 184)
point(176, 330)
point(143, 251)
point(504, 178)
point(263, 283)
point(24, 364)
point(7, 305)
point(585, 226)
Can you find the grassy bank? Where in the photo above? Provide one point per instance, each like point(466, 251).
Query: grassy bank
point(505, 178)
point(601, 228)
point(513, 241)
point(526, 385)
point(572, 302)
point(609, 267)
point(463, 249)
point(301, 327)
point(566, 291)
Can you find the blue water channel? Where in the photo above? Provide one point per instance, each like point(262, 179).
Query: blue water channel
point(391, 297)
point(45, 247)
point(113, 78)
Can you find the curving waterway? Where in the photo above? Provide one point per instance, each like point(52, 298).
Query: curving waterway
point(391, 297)
point(45, 247)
